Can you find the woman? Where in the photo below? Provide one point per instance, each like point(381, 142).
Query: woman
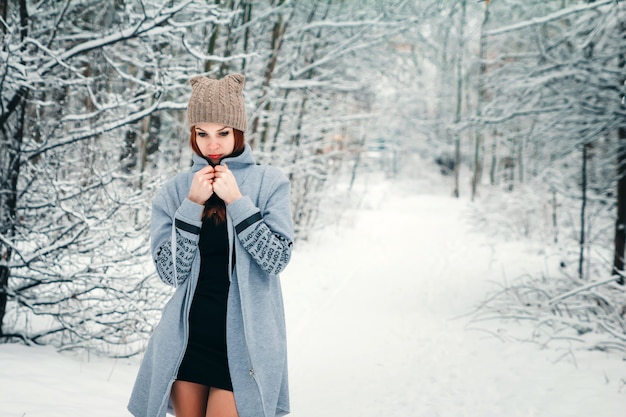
point(220, 234)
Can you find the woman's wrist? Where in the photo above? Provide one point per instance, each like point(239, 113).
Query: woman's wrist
point(195, 199)
point(232, 200)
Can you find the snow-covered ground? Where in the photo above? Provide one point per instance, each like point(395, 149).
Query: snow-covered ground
point(377, 313)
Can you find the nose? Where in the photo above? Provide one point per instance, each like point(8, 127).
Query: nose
point(213, 144)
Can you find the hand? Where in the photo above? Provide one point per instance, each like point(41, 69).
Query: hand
point(225, 185)
point(202, 185)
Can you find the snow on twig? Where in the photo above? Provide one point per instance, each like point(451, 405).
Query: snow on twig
point(545, 19)
point(581, 289)
point(107, 127)
point(128, 33)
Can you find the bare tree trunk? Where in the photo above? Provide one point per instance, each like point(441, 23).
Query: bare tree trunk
point(282, 113)
point(148, 142)
point(582, 243)
point(555, 219)
point(4, 8)
point(478, 157)
point(229, 43)
point(459, 99)
point(247, 15)
point(11, 140)
point(212, 42)
point(357, 158)
point(443, 81)
point(620, 222)
point(278, 30)
point(494, 159)
point(588, 52)
point(8, 198)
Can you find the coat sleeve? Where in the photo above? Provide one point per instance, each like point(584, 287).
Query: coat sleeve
point(267, 234)
point(175, 232)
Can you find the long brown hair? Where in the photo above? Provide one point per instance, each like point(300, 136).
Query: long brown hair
point(214, 207)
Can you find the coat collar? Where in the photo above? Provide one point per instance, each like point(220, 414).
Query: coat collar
point(240, 161)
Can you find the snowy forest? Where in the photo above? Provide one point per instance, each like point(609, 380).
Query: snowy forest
point(520, 104)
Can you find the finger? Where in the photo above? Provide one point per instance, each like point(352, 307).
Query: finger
point(206, 170)
point(206, 176)
point(200, 176)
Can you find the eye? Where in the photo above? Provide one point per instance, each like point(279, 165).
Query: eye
point(201, 134)
point(224, 133)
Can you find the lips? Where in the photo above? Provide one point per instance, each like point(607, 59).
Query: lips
point(218, 156)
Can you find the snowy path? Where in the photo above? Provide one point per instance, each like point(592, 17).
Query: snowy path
point(371, 309)
point(381, 340)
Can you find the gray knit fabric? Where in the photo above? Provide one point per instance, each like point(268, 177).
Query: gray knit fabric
point(217, 101)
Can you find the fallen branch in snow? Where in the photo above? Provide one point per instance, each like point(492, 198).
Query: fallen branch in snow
point(581, 289)
point(589, 315)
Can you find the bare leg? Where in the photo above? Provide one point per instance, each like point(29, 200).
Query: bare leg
point(189, 399)
point(221, 404)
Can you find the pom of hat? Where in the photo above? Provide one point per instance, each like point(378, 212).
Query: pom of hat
point(217, 101)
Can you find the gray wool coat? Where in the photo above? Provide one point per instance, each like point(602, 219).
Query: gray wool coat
point(260, 232)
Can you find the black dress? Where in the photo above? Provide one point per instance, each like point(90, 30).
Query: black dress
point(205, 361)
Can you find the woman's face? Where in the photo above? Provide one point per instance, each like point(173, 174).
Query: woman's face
point(214, 140)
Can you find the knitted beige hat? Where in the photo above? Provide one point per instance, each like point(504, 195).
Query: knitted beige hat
point(217, 101)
